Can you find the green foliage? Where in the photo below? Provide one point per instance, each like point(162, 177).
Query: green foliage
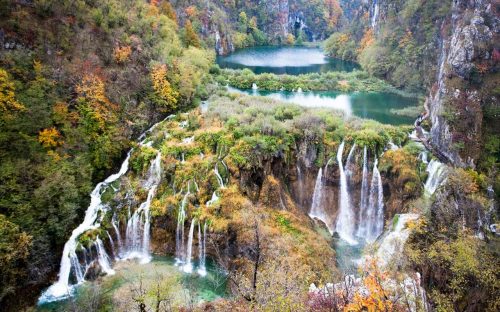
point(330, 81)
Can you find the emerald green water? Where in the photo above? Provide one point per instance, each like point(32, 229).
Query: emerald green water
point(376, 106)
point(284, 60)
point(114, 293)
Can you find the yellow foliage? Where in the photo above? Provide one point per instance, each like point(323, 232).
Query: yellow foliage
point(8, 103)
point(290, 39)
point(162, 86)
point(376, 298)
point(367, 40)
point(92, 91)
point(50, 138)
point(122, 54)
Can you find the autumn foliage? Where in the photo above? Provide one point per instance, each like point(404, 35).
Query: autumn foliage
point(166, 96)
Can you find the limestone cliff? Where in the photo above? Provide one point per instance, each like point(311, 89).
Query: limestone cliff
point(458, 98)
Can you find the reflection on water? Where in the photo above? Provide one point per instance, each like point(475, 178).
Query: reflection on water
point(284, 60)
point(375, 106)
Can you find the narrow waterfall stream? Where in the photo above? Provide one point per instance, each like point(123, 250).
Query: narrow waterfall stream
point(375, 215)
point(188, 267)
point(437, 175)
point(317, 208)
point(345, 220)
point(363, 205)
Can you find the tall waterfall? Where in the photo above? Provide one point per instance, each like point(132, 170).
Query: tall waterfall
point(437, 175)
point(138, 226)
point(375, 13)
point(317, 210)
point(375, 213)
point(62, 288)
point(179, 233)
point(188, 267)
point(103, 257)
point(116, 225)
point(345, 219)
point(363, 204)
point(202, 249)
point(349, 164)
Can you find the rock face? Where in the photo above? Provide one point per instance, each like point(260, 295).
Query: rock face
point(456, 100)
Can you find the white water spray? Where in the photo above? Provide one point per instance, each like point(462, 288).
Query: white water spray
point(188, 267)
point(317, 208)
point(345, 220)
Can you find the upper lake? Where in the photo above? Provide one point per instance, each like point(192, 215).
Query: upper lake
point(284, 60)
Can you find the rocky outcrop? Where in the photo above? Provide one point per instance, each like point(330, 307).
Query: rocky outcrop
point(456, 99)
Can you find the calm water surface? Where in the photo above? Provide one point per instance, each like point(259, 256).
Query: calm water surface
point(284, 60)
point(376, 106)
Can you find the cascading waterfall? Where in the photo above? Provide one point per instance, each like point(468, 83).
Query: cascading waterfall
point(375, 213)
point(202, 249)
point(349, 164)
point(345, 220)
point(218, 176)
point(179, 233)
point(138, 226)
point(116, 225)
point(113, 248)
point(188, 267)
point(363, 205)
point(437, 175)
point(62, 288)
point(103, 257)
point(328, 164)
point(317, 210)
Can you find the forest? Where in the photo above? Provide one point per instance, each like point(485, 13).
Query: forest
point(194, 155)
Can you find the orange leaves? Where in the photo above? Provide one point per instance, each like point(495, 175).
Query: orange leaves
point(50, 138)
point(191, 11)
point(8, 103)
point(93, 100)
point(334, 11)
point(367, 40)
point(372, 296)
point(122, 54)
point(166, 94)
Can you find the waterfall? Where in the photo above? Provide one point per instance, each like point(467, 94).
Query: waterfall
point(375, 13)
point(345, 219)
point(77, 268)
point(254, 86)
point(328, 164)
point(179, 234)
point(202, 270)
point(300, 179)
point(115, 224)
point(375, 213)
point(61, 288)
point(218, 176)
point(349, 163)
point(188, 267)
point(317, 210)
point(363, 204)
point(113, 248)
point(212, 200)
point(394, 239)
point(437, 175)
point(103, 257)
point(138, 226)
